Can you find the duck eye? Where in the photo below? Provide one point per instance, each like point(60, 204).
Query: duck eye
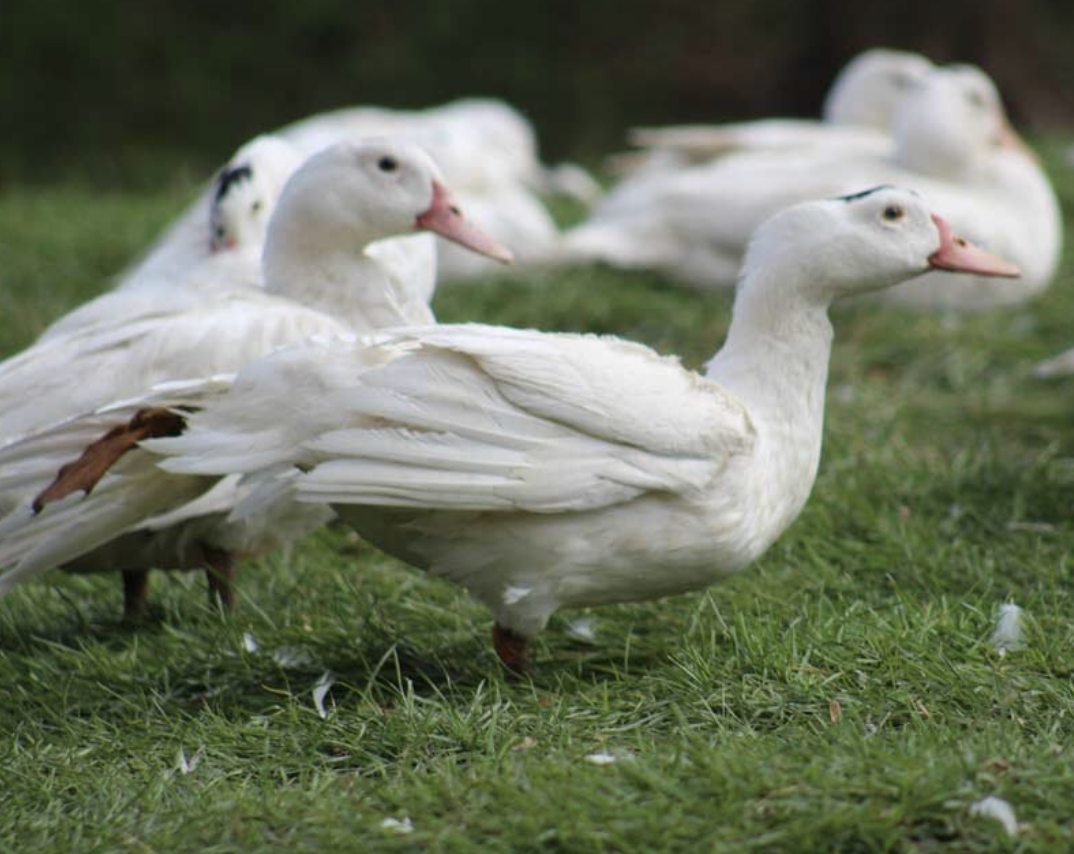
point(976, 99)
point(893, 213)
point(387, 164)
point(219, 231)
point(900, 80)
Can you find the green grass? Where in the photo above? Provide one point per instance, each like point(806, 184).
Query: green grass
point(946, 489)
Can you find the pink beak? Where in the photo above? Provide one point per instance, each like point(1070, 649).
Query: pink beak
point(960, 256)
point(220, 245)
point(1008, 138)
point(445, 218)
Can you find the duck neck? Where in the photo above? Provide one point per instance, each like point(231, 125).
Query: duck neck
point(776, 355)
point(339, 279)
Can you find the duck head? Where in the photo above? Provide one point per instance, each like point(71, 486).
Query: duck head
point(870, 86)
point(948, 124)
point(862, 242)
point(356, 193)
point(246, 191)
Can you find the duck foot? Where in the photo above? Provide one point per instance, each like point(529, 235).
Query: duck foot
point(135, 594)
point(220, 574)
point(513, 649)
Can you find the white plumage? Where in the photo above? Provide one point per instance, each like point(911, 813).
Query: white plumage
point(485, 149)
point(545, 471)
point(694, 224)
point(858, 116)
point(318, 280)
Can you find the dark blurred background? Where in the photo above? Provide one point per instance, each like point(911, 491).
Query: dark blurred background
point(117, 92)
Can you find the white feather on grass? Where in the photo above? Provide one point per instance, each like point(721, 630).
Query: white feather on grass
point(582, 629)
point(998, 810)
point(401, 826)
point(292, 657)
point(1008, 635)
point(320, 691)
point(186, 766)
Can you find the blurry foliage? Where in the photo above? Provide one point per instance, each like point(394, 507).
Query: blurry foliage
point(120, 91)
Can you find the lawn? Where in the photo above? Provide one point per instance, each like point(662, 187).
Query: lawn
point(840, 695)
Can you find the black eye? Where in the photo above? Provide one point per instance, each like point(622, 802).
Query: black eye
point(893, 213)
point(976, 99)
point(220, 231)
point(387, 164)
point(900, 80)
point(255, 207)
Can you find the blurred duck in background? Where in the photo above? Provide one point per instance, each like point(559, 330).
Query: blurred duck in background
point(952, 144)
point(229, 221)
point(858, 116)
point(486, 150)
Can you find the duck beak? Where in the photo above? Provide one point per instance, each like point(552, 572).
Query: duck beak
point(445, 218)
point(1009, 138)
point(220, 245)
point(960, 256)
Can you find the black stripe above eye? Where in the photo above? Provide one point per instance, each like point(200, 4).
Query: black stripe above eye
point(230, 177)
point(853, 197)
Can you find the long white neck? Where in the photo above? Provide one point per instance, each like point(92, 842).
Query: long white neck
point(336, 277)
point(775, 360)
point(777, 351)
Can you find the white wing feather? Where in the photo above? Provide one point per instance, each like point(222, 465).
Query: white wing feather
point(186, 337)
point(485, 418)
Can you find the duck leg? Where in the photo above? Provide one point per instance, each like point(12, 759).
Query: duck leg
point(135, 594)
point(512, 648)
point(220, 573)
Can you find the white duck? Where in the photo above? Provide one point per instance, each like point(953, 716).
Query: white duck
point(215, 247)
point(318, 279)
point(1057, 366)
point(229, 221)
point(544, 471)
point(488, 154)
point(953, 144)
point(858, 115)
point(481, 144)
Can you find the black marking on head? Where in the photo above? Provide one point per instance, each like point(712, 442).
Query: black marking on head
point(853, 197)
point(230, 177)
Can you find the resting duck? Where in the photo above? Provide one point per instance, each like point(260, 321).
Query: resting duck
point(952, 143)
point(858, 115)
point(485, 149)
point(481, 144)
point(228, 224)
point(488, 154)
point(318, 279)
point(544, 471)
